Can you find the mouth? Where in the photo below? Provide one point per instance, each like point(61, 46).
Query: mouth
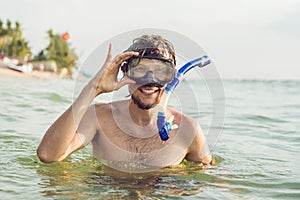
point(149, 89)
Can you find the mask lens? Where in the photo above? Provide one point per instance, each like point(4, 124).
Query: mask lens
point(162, 71)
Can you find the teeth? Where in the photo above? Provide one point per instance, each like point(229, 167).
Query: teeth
point(148, 91)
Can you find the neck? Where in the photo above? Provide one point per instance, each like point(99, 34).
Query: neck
point(141, 117)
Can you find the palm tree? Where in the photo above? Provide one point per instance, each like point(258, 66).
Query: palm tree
point(12, 43)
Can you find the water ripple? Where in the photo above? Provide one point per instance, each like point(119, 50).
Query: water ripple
point(259, 148)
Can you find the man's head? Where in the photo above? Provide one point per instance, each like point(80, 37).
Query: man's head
point(153, 45)
point(152, 69)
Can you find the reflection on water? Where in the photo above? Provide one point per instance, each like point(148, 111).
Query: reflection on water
point(257, 153)
point(89, 178)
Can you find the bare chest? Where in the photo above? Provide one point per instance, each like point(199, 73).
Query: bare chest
point(141, 146)
point(133, 138)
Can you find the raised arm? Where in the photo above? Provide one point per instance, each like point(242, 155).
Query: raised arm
point(61, 139)
point(199, 150)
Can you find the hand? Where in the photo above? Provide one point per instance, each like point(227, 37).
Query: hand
point(106, 79)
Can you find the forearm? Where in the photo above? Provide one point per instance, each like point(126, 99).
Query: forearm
point(60, 134)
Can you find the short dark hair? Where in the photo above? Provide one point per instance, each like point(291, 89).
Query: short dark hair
point(153, 44)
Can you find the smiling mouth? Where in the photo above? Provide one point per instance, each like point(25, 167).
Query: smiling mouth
point(148, 91)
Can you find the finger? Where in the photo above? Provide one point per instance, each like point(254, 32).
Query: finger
point(117, 61)
point(125, 81)
point(124, 56)
point(109, 53)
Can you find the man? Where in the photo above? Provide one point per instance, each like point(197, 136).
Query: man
point(125, 132)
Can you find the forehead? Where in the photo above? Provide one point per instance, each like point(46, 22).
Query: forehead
point(147, 61)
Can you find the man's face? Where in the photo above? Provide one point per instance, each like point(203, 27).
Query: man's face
point(148, 95)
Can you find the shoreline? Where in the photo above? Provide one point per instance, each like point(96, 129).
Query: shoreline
point(34, 74)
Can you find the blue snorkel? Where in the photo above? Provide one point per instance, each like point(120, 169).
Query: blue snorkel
point(165, 127)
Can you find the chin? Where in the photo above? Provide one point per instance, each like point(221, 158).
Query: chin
point(143, 105)
point(145, 100)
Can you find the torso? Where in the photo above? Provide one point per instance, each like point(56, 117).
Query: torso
point(126, 146)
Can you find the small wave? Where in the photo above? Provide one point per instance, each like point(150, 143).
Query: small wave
point(262, 118)
point(263, 81)
point(52, 96)
point(58, 98)
point(22, 105)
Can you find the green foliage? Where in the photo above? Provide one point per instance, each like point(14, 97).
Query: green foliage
point(58, 51)
point(12, 43)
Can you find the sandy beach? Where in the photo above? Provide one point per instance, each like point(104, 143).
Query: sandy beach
point(35, 74)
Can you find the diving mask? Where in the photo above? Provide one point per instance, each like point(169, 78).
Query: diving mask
point(160, 73)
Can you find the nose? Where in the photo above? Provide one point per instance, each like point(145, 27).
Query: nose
point(149, 75)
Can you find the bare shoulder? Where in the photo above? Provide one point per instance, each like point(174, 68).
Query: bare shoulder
point(191, 136)
point(101, 106)
point(107, 113)
point(116, 106)
point(187, 123)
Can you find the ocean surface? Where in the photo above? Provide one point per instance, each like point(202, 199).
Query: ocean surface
point(257, 149)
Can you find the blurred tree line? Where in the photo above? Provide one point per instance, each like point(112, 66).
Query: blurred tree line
point(13, 45)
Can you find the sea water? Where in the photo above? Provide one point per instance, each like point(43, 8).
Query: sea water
point(257, 150)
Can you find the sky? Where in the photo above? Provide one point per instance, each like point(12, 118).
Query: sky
point(245, 39)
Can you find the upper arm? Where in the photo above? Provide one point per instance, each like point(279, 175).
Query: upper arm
point(198, 151)
point(84, 133)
